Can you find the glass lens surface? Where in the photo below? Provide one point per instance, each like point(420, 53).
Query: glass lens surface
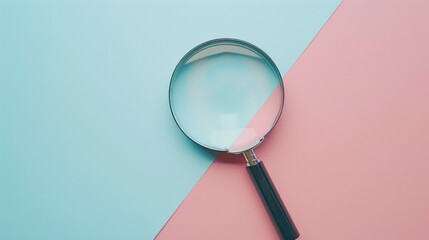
point(226, 95)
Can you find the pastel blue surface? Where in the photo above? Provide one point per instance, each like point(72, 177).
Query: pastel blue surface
point(88, 147)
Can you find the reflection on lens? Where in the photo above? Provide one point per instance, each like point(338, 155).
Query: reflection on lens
point(226, 97)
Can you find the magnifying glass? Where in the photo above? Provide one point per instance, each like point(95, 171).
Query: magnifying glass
point(226, 95)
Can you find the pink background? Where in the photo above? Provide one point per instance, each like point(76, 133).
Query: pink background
point(350, 154)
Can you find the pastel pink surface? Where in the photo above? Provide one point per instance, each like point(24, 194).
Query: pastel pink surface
point(350, 154)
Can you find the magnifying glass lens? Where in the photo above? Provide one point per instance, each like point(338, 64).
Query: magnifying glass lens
point(226, 96)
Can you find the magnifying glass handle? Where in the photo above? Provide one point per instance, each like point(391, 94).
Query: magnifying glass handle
point(274, 204)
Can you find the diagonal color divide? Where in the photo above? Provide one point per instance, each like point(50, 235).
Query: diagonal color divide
point(350, 154)
point(88, 148)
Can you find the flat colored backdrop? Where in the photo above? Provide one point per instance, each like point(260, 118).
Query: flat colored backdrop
point(88, 148)
point(350, 154)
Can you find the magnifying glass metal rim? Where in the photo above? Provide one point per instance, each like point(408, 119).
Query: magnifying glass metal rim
point(232, 42)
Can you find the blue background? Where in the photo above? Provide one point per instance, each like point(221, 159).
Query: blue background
point(88, 147)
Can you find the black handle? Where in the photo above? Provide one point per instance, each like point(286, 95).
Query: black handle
point(273, 202)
